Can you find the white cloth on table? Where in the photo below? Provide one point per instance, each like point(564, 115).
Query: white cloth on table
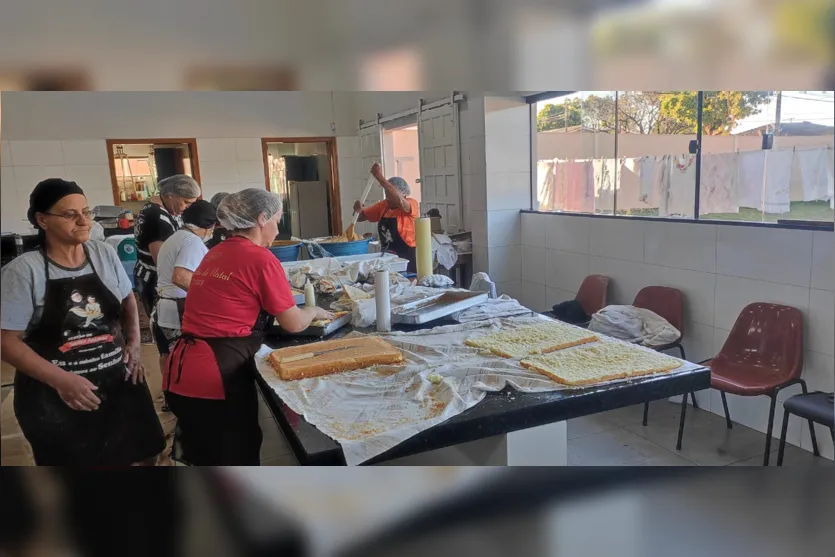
point(681, 194)
point(637, 325)
point(718, 192)
point(503, 306)
point(815, 174)
point(751, 170)
point(778, 174)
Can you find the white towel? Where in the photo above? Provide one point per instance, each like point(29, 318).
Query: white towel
point(778, 164)
point(629, 186)
point(604, 188)
point(751, 166)
point(814, 173)
point(718, 192)
point(682, 186)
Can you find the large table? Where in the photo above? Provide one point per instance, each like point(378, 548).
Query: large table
point(508, 427)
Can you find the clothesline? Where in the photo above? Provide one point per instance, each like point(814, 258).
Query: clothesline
point(760, 179)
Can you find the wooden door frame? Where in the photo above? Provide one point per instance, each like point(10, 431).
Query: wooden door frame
point(192, 147)
point(333, 188)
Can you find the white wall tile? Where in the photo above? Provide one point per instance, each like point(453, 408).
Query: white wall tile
point(508, 190)
point(36, 153)
point(554, 296)
point(90, 177)
point(475, 189)
point(5, 154)
point(752, 411)
point(511, 288)
point(533, 297)
point(478, 226)
point(627, 277)
point(503, 228)
point(733, 294)
point(219, 172)
point(11, 214)
point(699, 290)
point(719, 338)
point(819, 373)
point(507, 153)
point(567, 233)
point(698, 342)
point(27, 177)
point(7, 179)
point(823, 260)
point(508, 121)
point(481, 259)
point(534, 227)
point(249, 149)
point(618, 238)
point(565, 270)
point(99, 197)
point(473, 156)
point(505, 264)
point(256, 185)
point(85, 152)
point(783, 256)
point(533, 265)
point(820, 325)
point(684, 246)
point(251, 172)
point(216, 150)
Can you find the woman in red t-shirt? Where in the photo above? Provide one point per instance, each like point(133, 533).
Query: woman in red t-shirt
point(210, 377)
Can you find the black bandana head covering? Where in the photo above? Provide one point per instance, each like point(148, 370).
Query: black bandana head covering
point(47, 193)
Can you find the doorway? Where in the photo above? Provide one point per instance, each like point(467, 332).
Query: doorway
point(138, 165)
point(303, 171)
point(401, 155)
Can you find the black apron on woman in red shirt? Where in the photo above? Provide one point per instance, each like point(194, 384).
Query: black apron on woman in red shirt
point(80, 332)
point(217, 431)
point(392, 241)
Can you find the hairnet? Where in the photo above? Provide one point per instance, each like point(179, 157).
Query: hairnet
point(179, 185)
point(401, 185)
point(218, 197)
point(240, 210)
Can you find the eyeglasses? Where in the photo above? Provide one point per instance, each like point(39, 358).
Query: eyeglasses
point(72, 215)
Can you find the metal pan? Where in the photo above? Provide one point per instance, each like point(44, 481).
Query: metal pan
point(311, 331)
point(443, 305)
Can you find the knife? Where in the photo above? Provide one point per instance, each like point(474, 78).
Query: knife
point(308, 355)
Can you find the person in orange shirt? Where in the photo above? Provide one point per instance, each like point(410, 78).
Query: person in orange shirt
point(395, 216)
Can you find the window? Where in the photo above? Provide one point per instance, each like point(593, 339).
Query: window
point(757, 156)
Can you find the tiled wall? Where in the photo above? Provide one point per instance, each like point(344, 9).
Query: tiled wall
point(719, 269)
point(230, 164)
point(495, 217)
point(25, 163)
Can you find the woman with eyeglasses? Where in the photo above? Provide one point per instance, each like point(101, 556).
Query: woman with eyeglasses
point(70, 326)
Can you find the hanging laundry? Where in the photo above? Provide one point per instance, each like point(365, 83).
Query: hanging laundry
point(654, 173)
point(604, 187)
point(629, 186)
point(814, 174)
point(579, 193)
point(718, 191)
point(681, 196)
point(778, 173)
point(545, 184)
point(750, 176)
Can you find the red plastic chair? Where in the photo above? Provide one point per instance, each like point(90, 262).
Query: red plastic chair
point(592, 293)
point(668, 303)
point(762, 356)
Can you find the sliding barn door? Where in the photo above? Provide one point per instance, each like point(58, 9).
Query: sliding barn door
point(440, 173)
point(370, 151)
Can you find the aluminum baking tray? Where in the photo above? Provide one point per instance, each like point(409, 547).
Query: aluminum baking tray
point(311, 331)
point(436, 307)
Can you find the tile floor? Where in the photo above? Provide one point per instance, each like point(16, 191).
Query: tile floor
point(615, 438)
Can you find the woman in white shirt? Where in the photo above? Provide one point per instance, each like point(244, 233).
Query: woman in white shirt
point(178, 258)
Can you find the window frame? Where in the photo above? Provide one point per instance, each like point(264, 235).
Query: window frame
point(789, 224)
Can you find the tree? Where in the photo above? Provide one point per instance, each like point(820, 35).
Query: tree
point(553, 117)
point(721, 113)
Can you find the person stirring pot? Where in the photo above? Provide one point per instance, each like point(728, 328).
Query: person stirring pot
point(395, 216)
point(210, 376)
point(70, 326)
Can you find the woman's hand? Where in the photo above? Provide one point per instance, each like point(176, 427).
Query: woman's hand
point(133, 353)
point(358, 206)
point(323, 314)
point(377, 170)
point(77, 392)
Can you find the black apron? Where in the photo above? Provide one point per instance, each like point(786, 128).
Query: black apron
point(125, 428)
point(218, 236)
point(392, 241)
point(221, 432)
